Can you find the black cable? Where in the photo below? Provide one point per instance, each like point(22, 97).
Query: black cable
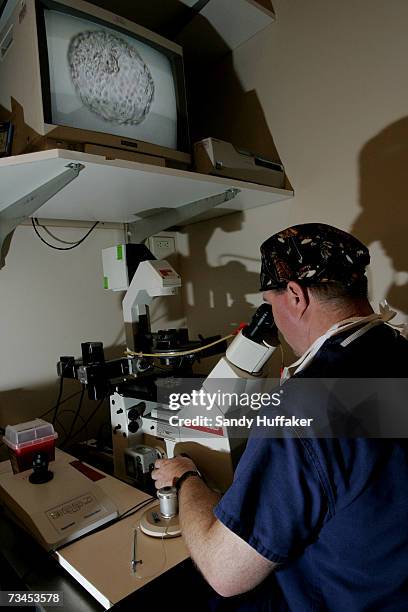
point(57, 405)
point(79, 416)
point(74, 420)
point(126, 514)
point(62, 248)
point(61, 402)
point(134, 509)
point(64, 431)
point(53, 236)
point(80, 430)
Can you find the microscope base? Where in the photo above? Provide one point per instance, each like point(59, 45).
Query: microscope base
point(153, 524)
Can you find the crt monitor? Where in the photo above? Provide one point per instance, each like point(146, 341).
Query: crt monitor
point(93, 77)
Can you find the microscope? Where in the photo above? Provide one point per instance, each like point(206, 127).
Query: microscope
point(160, 364)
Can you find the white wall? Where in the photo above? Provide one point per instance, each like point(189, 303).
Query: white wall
point(332, 81)
point(50, 302)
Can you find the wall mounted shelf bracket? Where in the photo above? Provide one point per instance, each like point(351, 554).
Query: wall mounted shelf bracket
point(140, 230)
point(22, 209)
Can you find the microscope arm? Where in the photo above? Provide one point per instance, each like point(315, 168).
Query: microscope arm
point(153, 278)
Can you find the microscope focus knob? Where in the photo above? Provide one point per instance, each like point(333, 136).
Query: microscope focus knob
point(136, 412)
point(134, 426)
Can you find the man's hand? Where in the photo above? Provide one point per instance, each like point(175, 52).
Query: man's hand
point(167, 471)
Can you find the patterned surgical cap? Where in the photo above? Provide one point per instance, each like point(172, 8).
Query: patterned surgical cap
point(311, 254)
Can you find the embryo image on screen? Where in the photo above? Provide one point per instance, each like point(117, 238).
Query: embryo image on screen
point(106, 81)
point(110, 77)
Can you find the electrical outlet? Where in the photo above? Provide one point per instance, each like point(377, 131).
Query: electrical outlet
point(162, 246)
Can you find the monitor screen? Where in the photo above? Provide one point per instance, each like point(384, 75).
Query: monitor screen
point(104, 80)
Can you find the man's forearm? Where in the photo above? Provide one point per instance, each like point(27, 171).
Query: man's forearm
point(196, 505)
point(196, 512)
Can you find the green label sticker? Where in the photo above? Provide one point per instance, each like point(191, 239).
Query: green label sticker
point(119, 252)
point(105, 282)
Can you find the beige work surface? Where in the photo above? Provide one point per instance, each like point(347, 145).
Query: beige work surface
point(101, 561)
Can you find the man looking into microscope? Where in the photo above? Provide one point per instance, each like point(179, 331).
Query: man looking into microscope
point(310, 523)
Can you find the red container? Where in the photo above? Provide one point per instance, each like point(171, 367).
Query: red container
point(25, 440)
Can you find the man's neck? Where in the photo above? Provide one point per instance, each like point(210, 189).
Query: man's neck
point(325, 316)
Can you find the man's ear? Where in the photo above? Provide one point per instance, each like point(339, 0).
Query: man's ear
point(298, 297)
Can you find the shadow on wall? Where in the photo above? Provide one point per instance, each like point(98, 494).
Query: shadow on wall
point(216, 296)
point(218, 106)
point(383, 198)
point(217, 301)
point(221, 108)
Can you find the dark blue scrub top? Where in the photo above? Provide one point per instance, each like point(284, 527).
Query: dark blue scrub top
point(332, 512)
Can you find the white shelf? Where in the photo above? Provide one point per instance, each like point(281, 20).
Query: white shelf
point(120, 191)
